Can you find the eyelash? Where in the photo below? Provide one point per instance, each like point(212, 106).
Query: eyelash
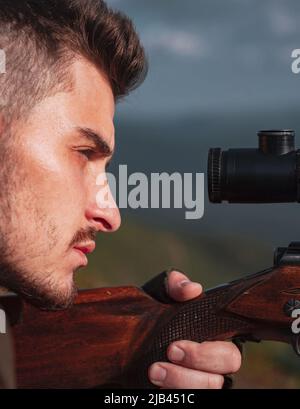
point(87, 152)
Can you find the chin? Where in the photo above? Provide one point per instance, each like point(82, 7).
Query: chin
point(50, 299)
point(48, 290)
point(48, 294)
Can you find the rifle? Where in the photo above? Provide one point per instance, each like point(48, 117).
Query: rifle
point(110, 336)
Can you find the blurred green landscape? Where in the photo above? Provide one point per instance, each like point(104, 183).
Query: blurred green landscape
point(138, 251)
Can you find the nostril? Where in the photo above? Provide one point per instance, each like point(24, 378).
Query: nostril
point(107, 226)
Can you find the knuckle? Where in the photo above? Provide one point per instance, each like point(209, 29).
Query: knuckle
point(229, 355)
point(215, 381)
point(233, 358)
point(236, 360)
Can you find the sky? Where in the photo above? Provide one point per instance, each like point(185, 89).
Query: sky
point(215, 55)
point(219, 72)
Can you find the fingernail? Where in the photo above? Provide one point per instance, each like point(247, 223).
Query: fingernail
point(158, 374)
point(176, 354)
point(187, 282)
point(184, 283)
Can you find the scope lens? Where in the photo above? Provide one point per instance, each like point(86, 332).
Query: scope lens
point(267, 174)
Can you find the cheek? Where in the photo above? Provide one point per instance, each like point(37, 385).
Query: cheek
point(55, 182)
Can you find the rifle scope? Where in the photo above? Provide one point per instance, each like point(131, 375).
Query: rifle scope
point(269, 174)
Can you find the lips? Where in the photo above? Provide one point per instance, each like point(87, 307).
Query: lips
point(86, 248)
point(82, 249)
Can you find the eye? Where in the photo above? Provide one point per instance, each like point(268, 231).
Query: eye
point(88, 153)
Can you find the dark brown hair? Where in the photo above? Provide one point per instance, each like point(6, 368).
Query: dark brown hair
point(41, 37)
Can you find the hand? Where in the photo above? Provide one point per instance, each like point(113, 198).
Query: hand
point(193, 365)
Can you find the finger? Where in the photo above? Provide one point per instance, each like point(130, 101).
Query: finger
point(216, 357)
point(181, 288)
point(168, 375)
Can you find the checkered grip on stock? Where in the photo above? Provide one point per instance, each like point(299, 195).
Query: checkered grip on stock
point(197, 320)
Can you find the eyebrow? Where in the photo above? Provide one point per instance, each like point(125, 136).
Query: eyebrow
point(101, 145)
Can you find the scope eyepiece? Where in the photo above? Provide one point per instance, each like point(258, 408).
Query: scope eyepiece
point(269, 174)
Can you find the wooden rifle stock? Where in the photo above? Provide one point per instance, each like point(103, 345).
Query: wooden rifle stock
point(110, 336)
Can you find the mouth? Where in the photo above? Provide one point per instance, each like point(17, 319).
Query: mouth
point(83, 249)
point(86, 248)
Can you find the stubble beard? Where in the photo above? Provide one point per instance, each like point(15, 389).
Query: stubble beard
point(43, 293)
point(40, 287)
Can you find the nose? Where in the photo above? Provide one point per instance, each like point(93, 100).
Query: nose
point(103, 213)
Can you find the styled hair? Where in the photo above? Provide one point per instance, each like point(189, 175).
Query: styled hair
point(41, 38)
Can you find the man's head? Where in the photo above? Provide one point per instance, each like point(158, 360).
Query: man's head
point(67, 63)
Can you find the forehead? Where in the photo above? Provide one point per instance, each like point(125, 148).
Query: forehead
point(92, 89)
point(91, 101)
point(90, 104)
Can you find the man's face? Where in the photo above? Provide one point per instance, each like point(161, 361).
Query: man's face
point(48, 189)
